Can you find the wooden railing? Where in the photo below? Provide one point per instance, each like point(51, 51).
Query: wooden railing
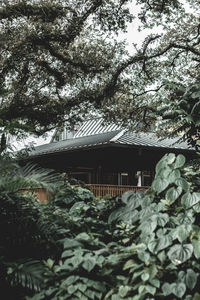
point(100, 190)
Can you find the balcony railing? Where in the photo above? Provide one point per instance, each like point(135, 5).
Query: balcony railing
point(100, 190)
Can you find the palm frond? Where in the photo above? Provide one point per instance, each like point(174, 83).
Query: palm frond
point(14, 178)
point(27, 274)
point(34, 176)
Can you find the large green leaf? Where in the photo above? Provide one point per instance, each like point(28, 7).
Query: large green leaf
point(128, 213)
point(163, 172)
point(181, 182)
point(124, 214)
point(185, 218)
point(161, 165)
point(80, 205)
point(148, 226)
point(179, 253)
point(166, 289)
point(170, 158)
point(179, 162)
point(183, 232)
point(178, 289)
point(196, 246)
point(123, 290)
point(89, 264)
point(173, 193)
point(159, 185)
point(191, 279)
point(190, 199)
point(173, 176)
point(162, 219)
point(159, 244)
point(70, 243)
point(134, 197)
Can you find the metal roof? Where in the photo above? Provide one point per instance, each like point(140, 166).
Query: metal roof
point(74, 143)
point(151, 140)
point(95, 126)
point(111, 138)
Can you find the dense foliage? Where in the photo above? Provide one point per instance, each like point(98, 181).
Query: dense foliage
point(61, 60)
point(138, 246)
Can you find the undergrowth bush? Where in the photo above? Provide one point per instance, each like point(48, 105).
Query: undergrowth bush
point(138, 246)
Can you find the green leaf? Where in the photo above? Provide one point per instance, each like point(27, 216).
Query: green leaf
point(116, 297)
point(162, 256)
point(159, 185)
point(76, 260)
point(179, 289)
point(133, 198)
point(173, 193)
point(186, 218)
point(155, 282)
point(148, 226)
point(98, 286)
point(191, 279)
point(150, 289)
point(166, 289)
point(129, 264)
point(163, 172)
point(188, 199)
point(179, 162)
point(70, 244)
point(82, 287)
point(145, 276)
point(180, 253)
point(196, 246)
point(183, 232)
point(78, 206)
point(83, 236)
point(89, 264)
point(71, 289)
point(170, 158)
point(173, 176)
point(128, 213)
point(144, 289)
point(188, 297)
point(196, 296)
point(159, 244)
point(162, 219)
point(123, 290)
point(125, 214)
point(69, 280)
point(67, 253)
point(161, 165)
point(181, 182)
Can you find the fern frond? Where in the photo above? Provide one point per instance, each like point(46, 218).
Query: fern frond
point(27, 274)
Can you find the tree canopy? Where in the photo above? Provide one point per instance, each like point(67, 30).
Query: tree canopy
point(61, 60)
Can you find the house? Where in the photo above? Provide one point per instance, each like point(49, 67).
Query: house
point(104, 155)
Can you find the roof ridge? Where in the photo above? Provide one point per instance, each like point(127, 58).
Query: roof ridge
point(118, 135)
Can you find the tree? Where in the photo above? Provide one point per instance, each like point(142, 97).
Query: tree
point(167, 76)
point(57, 60)
point(61, 61)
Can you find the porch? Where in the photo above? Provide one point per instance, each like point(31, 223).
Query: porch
point(101, 190)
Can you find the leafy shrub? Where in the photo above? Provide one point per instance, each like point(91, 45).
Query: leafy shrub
point(138, 246)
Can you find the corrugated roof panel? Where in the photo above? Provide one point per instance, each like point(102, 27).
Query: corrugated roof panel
point(95, 126)
point(150, 140)
point(72, 144)
point(143, 140)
